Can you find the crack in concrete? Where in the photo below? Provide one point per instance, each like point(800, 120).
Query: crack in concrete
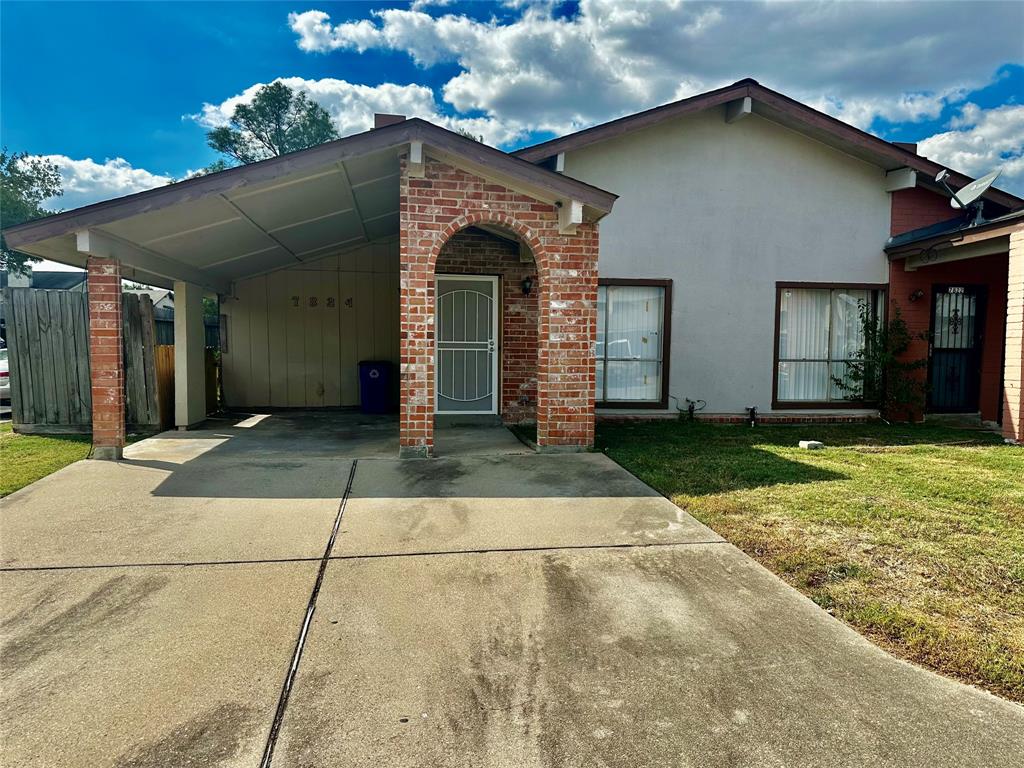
point(300, 643)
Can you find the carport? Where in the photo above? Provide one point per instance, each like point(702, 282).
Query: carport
point(328, 256)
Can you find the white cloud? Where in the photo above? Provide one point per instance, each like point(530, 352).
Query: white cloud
point(86, 181)
point(352, 107)
point(897, 61)
point(980, 140)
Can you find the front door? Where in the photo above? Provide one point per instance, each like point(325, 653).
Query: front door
point(955, 363)
point(466, 361)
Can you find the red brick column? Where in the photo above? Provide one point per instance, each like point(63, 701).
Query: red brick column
point(566, 368)
point(416, 333)
point(1013, 375)
point(446, 200)
point(106, 358)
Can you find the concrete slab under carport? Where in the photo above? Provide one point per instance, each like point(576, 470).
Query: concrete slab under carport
point(690, 655)
point(325, 433)
point(331, 433)
point(145, 667)
point(506, 502)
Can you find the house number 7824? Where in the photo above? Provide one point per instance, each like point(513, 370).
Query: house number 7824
point(314, 301)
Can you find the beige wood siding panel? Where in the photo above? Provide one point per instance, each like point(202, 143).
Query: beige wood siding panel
point(314, 304)
point(278, 307)
point(295, 329)
point(286, 352)
point(349, 262)
point(364, 301)
point(330, 326)
point(229, 359)
point(347, 344)
point(385, 308)
point(240, 345)
point(259, 344)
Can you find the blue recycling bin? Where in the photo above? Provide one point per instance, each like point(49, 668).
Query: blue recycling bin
point(375, 386)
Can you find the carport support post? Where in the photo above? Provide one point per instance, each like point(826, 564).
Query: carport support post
point(189, 356)
point(106, 358)
point(1013, 374)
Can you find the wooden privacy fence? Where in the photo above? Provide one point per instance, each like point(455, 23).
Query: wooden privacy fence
point(48, 355)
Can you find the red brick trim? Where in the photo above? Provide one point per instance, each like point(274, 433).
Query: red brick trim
point(737, 418)
point(106, 357)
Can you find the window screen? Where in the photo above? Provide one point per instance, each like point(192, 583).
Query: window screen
point(821, 332)
point(630, 343)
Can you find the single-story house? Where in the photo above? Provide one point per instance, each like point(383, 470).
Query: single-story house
point(162, 298)
point(716, 250)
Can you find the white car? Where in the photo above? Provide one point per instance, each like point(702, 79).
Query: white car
point(5, 384)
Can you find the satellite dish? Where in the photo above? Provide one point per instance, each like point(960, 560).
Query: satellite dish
point(968, 194)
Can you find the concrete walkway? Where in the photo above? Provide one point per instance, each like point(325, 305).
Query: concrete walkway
point(492, 608)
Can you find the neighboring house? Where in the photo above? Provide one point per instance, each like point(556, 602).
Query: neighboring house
point(717, 249)
point(163, 299)
point(163, 311)
point(44, 280)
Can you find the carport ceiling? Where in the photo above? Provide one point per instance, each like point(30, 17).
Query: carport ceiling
point(254, 228)
point(272, 214)
point(265, 226)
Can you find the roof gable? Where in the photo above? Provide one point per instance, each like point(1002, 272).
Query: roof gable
point(778, 108)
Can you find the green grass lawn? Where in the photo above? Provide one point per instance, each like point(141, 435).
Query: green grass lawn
point(914, 535)
point(26, 458)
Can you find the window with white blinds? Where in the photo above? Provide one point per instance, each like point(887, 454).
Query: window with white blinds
point(630, 343)
point(821, 332)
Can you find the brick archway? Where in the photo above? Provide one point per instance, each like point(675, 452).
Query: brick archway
point(446, 200)
point(496, 218)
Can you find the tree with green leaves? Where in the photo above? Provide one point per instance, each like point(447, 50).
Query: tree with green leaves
point(277, 121)
point(25, 182)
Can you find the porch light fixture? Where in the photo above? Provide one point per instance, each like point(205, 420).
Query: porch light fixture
point(527, 285)
point(918, 294)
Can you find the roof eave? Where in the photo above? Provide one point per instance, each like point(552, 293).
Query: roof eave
point(629, 123)
point(798, 111)
point(381, 139)
point(1001, 227)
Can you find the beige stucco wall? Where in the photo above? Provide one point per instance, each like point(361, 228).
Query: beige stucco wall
point(725, 211)
point(295, 336)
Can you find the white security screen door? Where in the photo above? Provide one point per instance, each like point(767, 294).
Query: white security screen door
point(466, 360)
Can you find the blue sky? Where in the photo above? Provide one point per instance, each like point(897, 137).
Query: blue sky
point(121, 94)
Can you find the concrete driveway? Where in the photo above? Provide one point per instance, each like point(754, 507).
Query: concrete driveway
point(491, 608)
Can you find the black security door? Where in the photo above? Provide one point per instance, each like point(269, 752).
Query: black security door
point(955, 365)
